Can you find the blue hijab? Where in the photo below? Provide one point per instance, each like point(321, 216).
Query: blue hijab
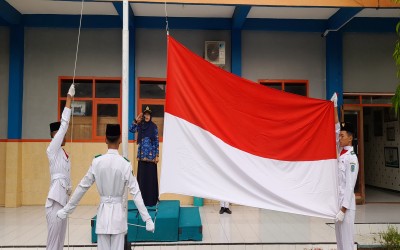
point(146, 129)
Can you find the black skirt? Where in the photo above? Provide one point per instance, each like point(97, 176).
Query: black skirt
point(148, 182)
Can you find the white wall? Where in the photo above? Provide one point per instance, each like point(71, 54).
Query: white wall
point(50, 53)
point(376, 173)
point(368, 65)
point(284, 55)
point(4, 73)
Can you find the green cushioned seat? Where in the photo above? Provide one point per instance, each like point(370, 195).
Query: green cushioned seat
point(190, 227)
point(167, 222)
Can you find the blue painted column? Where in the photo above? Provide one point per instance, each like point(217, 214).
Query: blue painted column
point(334, 65)
point(236, 54)
point(132, 76)
point(16, 82)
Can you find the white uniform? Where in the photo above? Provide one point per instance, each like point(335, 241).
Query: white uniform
point(348, 171)
point(111, 172)
point(59, 186)
point(224, 204)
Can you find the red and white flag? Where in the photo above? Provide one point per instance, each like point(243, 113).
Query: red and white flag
point(230, 139)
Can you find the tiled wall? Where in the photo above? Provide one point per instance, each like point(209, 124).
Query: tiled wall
point(376, 173)
point(35, 178)
point(2, 172)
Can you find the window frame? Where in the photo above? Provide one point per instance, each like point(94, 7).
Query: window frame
point(95, 101)
point(150, 101)
point(283, 82)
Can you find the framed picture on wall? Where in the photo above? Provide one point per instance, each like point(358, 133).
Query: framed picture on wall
point(390, 134)
point(378, 123)
point(391, 157)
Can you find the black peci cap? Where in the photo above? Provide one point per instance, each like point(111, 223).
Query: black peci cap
point(347, 126)
point(54, 126)
point(113, 130)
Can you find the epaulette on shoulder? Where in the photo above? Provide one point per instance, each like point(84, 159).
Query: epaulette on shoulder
point(98, 155)
point(126, 159)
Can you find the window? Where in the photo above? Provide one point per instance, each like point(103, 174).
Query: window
point(368, 99)
point(298, 87)
point(152, 93)
point(97, 102)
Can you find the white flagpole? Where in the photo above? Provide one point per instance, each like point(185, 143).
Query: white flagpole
point(125, 77)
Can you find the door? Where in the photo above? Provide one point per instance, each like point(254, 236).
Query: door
point(354, 115)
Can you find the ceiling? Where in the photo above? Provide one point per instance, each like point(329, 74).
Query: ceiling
point(73, 7)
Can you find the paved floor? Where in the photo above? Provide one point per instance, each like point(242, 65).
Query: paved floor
point(246, 228)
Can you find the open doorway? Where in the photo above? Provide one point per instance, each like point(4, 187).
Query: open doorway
point(381, 156)
point(377, 144)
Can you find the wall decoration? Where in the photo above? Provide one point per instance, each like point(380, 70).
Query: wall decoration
point(390, 134)
point(391, 157)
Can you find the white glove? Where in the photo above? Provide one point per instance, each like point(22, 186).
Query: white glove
point(149, 225)
point(334, 99)
point(339, 216)
point(61, 214)
point(71, 90)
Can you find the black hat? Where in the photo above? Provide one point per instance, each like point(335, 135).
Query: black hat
point(147, 110)
point(55, 126)
point(113, 130)
point(346, 126)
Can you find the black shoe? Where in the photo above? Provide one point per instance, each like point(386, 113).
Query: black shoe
point(222, 210)
point(227, 210)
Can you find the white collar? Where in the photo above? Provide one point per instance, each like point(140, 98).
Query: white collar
point(112, 151)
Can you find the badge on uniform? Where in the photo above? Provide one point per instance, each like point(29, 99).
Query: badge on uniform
point(353, 166)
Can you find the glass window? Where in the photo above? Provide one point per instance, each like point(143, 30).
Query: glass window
point(91, 111)
point(83, 88)
point(152, 94)
point(377, 100)
point(106, 113)
point(351, 99)
point(152, 89)
point(296, 88)
point(108, 89)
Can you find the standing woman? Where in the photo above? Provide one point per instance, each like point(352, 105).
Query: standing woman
point(147, 156)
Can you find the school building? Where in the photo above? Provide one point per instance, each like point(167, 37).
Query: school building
point(310, 48)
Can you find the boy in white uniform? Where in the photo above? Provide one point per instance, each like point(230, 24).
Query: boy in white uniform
point(348, 171)
point(112, 173)
point(60, 185)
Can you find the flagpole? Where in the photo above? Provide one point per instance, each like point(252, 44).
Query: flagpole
point(125, 77)
point(125, 93)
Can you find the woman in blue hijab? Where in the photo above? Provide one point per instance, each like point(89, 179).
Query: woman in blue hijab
point(147, 156)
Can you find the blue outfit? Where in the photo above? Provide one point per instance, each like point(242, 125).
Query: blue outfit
point(147, 140)
point(147, 178)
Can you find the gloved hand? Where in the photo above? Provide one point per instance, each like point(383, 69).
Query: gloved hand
point(334, 99)
point(340, 216)
point(71, 90)
point(61, 214)
point(150, 225)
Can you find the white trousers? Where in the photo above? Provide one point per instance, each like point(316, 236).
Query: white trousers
point(345, 231)
point(224, 204)
point(56, 228)
point(110, 241)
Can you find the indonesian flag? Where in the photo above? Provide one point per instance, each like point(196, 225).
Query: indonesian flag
point(230, 139)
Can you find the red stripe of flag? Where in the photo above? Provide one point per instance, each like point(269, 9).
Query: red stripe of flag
point(261, 121)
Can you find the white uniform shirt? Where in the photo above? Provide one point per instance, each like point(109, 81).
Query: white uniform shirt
point(111, 172)
point(348, 171)
point(59, 164)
